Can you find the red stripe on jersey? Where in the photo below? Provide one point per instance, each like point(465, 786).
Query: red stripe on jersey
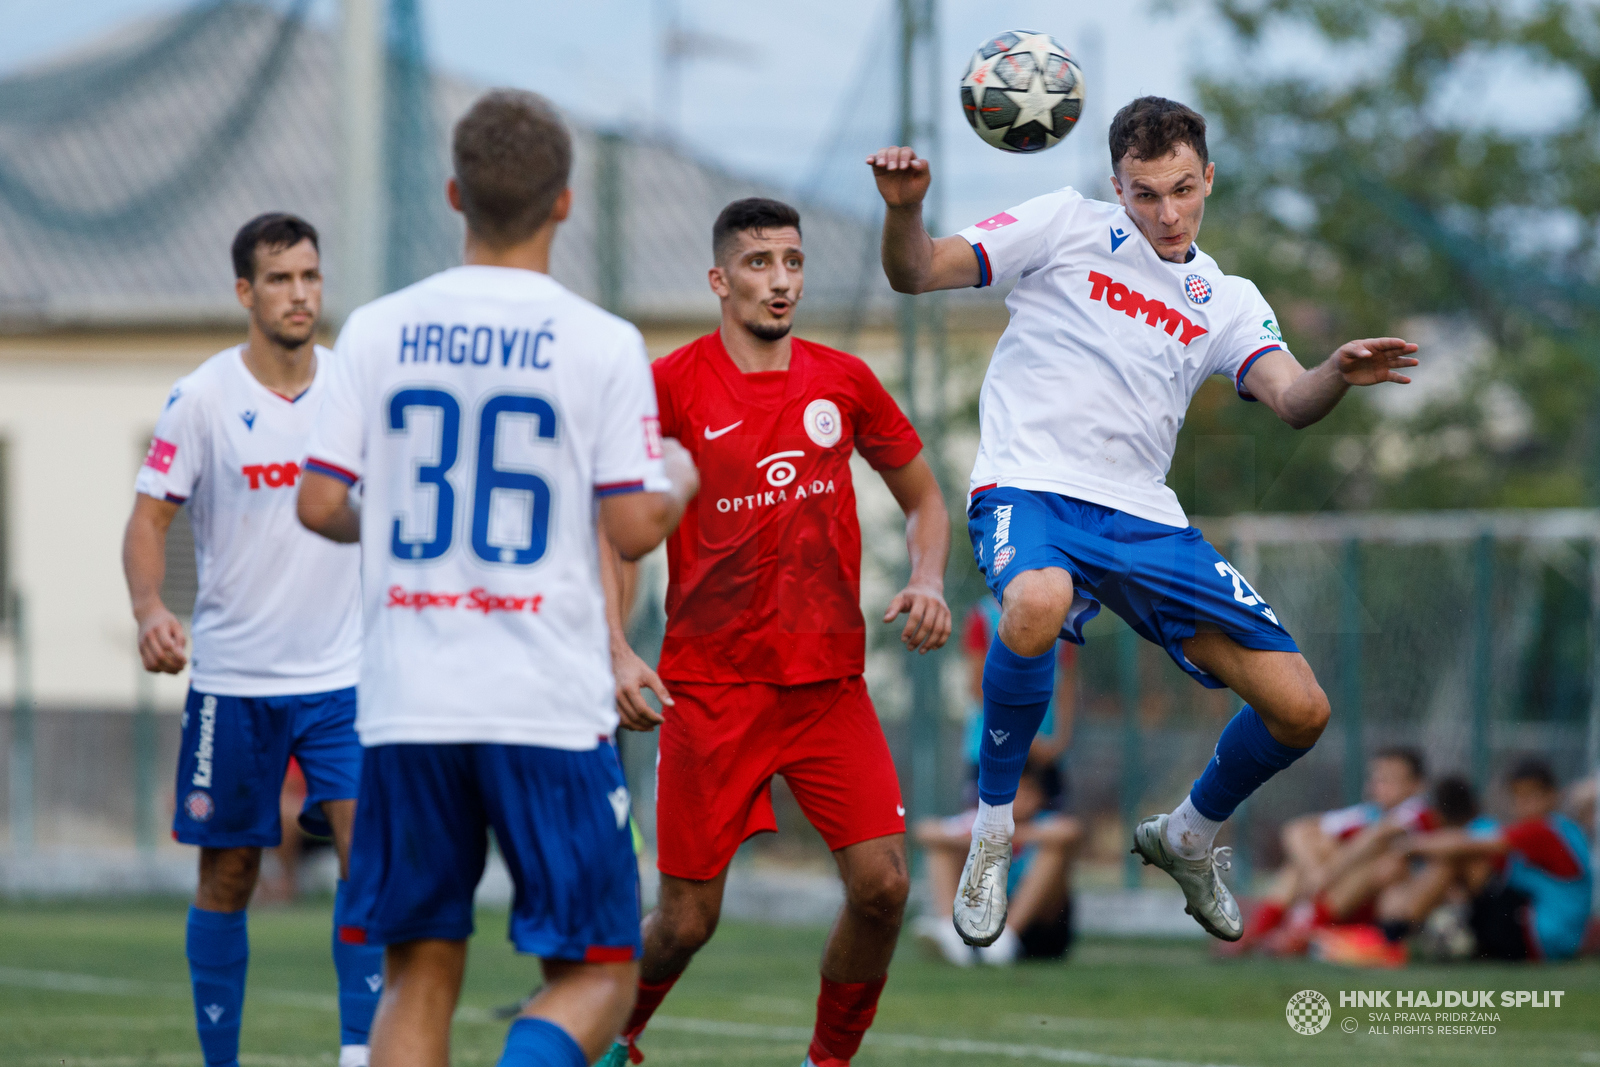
point(614, 488)
point(332, 470)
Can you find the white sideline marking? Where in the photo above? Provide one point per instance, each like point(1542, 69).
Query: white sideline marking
point(65, 982)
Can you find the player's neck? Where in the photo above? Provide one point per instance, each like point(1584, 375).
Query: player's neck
point(532, 254)
point(751, 354)
point(286, 371)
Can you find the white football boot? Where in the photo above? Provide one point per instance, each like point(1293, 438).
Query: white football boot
point(980, 906)
point(1208, 899)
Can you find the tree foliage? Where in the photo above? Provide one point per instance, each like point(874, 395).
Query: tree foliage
point(1389, 163)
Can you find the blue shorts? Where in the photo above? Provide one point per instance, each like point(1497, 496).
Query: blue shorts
point(234, 755)
point(1163, 581)
point(560, 819)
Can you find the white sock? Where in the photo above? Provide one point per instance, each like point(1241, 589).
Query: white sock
point(353, 1056)
point(1189, 833)
point(994, 823)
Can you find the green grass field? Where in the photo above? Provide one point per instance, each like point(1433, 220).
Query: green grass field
point(104, 985)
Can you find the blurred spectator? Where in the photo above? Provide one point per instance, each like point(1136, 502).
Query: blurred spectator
point(1529, 879)
point(1326, 856)
point(1039, 920)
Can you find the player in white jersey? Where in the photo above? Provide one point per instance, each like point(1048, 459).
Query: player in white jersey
point(277, 627)
point(1117, 317)
point(493, 419)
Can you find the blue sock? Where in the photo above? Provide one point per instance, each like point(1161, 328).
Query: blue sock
point(540, 1043)
point(360, 969)
point(1016, 695)
point(218, 947)
point(1247, 755)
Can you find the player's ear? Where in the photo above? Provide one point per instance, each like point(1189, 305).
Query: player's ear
point(245, 292)
point(719, 282)
point(452, 193)
point(562, 207)
point(1211, 173)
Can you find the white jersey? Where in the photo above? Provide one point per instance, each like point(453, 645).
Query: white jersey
point(277, 612)
point(484, 410)
point(1106, 346)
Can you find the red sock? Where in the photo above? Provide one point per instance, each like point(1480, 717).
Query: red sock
point(844, 1011)
point(1268, 914)
point(651, 994)
point(1323, 915)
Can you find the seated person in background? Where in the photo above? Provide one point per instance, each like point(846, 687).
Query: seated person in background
point(1529, 879)
point(1039, 919)
point(1395, 890)
point(1320, 848)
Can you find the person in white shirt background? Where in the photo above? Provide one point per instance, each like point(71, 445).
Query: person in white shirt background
point(277, 638)
point(1117, 317)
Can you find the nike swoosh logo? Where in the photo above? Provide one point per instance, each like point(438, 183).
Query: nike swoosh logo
point(899, 809)
point(1117, 239)
point(713, 436)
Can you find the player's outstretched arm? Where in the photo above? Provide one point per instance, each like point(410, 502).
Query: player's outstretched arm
point(635, 523)
point(1301, 397)
point(144, 564)
point(916, 490)
point(618, 581)
point(914, 261)
point(324, 508)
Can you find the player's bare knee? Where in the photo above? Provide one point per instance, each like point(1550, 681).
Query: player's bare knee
point(1033, 609)
point(880, 895)
point(687, 929)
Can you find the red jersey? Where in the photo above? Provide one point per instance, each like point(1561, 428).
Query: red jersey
point(764, 571)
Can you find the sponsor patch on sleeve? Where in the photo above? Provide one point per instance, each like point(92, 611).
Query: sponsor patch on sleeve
point(652, 437)
point(161, 455)
point(994, 222)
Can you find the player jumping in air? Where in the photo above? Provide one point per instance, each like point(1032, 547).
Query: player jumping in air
point(277, 627)
point(765, 642)
point(493, 419)
point(1117, 317)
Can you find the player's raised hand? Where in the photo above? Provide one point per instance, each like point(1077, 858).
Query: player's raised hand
point(1374, 360)
point(927, 617)
point(902, 178)
point(633, 677)
point(162, 642)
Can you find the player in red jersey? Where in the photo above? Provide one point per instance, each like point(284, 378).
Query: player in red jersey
point(765, 641)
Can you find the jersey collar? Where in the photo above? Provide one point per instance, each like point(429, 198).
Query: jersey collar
point(734, 379)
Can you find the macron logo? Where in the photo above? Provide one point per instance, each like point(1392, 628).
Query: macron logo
point(213, 1012)
point(619, 804)
point(1000, 736)
point(1119, 297)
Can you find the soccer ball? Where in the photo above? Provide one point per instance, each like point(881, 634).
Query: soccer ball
point(1022, 92)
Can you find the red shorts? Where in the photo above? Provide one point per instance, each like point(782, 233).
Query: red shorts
point(722, 743)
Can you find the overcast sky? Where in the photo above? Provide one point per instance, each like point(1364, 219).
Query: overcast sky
point(769, 102)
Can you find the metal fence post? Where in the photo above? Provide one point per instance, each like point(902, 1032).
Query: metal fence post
point(22, 812)
point(144, 762)
point(609, 232)
point(1132, 773)
point(1593, 754)
point(1350, 711)
point(1483, 588)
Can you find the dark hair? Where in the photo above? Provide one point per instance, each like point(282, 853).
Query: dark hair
point(276, 230)
point(1454, 800)
point(751, 213)
point(1407, 755)
point(1152, 127)
point(1532, 769)
point(512, 156)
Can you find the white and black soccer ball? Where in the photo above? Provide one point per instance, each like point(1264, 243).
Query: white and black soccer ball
point(1023, 91)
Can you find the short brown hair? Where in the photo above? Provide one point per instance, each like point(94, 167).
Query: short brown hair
point(274, 231)
point(512, 156)
point(751, 213)
point(1152, 127)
